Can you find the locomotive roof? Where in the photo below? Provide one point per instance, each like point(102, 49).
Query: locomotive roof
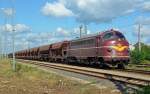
point(93, 35)
point(85, 37)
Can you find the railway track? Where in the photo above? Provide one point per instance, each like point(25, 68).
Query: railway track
point(143, 65)
point(134, 71)
point(128, 76)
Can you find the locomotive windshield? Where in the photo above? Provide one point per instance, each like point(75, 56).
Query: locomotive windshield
point(119, 35)
point(112, 35)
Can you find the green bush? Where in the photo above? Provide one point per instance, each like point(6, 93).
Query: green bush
point(144, 90)
point(146, 51)
point(144, 54)
point(137, 57)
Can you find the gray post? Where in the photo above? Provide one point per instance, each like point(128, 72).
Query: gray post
point(80, 31)
point(139, 38)
point(13, 38)
point(13, 35)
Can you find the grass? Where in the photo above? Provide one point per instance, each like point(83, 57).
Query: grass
point(144, 90)
point(133, 65)
point(30, 80)
point(145, 62)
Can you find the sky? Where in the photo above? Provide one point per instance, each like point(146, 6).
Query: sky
point(40, 22)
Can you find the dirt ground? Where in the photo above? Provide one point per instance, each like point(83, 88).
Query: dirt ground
point(30, 80)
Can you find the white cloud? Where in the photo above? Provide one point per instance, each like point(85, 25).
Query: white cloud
point(17, 27)
point(8, 11)
point(6, 27)
point(60, 32)
point(94, 11)
point(100, 10)
point(22, 27)
point(97, 11)
point(146, 6)
point(42, 38)
point(56, 9)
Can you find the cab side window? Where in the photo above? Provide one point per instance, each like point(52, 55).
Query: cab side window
point(108, 36)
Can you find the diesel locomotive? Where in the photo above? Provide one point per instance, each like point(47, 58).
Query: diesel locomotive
point(105, 48)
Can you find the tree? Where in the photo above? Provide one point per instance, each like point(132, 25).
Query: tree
point(144, 54)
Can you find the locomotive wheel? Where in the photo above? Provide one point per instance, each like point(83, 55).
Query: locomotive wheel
point(121, 66)
point(102, 65)
point(67, 60)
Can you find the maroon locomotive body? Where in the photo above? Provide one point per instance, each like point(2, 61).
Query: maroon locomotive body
point(109, 48)
point(105, 48)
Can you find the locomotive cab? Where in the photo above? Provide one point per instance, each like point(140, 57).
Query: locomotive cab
point(115, 49)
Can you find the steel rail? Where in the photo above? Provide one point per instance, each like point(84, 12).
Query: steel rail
point(141, 65)
point(133, 71)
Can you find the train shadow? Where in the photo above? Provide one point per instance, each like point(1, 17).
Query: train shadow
point(123, 87)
